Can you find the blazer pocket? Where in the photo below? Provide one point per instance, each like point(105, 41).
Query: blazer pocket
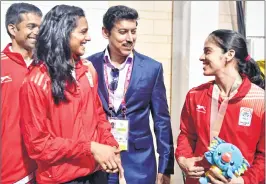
point(143, 142)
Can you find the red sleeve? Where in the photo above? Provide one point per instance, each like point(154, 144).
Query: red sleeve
point(104, 127)
point(40, 144)
point(256, 173)
point(187, 138)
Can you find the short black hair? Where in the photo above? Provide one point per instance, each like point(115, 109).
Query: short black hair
point(13, 14)
point(116, 13)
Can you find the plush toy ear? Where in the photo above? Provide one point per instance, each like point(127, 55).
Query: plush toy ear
point(245, 162)
point(230, 173)
point(243, 167)
point(208, 156)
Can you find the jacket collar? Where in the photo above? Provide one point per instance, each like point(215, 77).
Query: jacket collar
point(17, 57)
point(242, 90)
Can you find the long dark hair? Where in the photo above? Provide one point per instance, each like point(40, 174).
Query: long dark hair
point(53, 48)
point(228, 39)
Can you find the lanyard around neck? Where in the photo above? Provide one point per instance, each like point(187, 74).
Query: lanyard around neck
point(217, 115)
point(126, 85)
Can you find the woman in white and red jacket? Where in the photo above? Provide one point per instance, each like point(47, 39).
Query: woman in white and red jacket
point(63, 123)
point(231, 107)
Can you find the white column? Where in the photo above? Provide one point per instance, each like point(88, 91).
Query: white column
point(192, 22)
point(180, 69)
point(204, 20)
point(255, 17)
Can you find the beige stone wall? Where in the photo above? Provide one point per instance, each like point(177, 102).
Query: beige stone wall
point(227, 15)
point(154, 33)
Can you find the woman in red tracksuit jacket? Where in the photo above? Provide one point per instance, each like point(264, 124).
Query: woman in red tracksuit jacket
point(236, 86)
point(63, 123)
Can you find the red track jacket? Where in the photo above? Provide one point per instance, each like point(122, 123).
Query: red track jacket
point(193, 139)
point(58, 137)
point(15, 163)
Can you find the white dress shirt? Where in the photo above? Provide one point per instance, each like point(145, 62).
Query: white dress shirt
point(118, 95)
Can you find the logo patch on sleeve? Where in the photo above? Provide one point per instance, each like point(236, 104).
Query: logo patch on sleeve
point(6, 79)
point(89, 76)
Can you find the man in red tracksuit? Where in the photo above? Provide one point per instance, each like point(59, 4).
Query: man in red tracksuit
point(22, 23)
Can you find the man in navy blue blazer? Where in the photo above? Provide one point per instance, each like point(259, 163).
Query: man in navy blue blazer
point(131, 86)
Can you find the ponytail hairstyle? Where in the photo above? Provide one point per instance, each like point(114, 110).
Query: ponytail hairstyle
point(53, 48)
point(228, 39)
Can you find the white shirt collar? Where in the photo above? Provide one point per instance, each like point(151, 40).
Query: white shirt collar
point(107, 58)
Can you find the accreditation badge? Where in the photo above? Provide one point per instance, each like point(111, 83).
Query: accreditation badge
point(245, 116)
point(120, 129)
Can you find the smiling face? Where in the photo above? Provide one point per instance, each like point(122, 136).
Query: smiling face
point(25, 32)
point(213, 58)
point(122, 37)
point(79, 37)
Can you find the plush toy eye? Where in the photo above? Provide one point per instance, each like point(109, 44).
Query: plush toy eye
point(232, 163)
point(219, 153)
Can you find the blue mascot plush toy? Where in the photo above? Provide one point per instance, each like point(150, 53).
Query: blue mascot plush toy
point(225, 158)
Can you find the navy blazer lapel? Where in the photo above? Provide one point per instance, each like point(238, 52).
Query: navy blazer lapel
point(135, 77)
point(101, 82)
